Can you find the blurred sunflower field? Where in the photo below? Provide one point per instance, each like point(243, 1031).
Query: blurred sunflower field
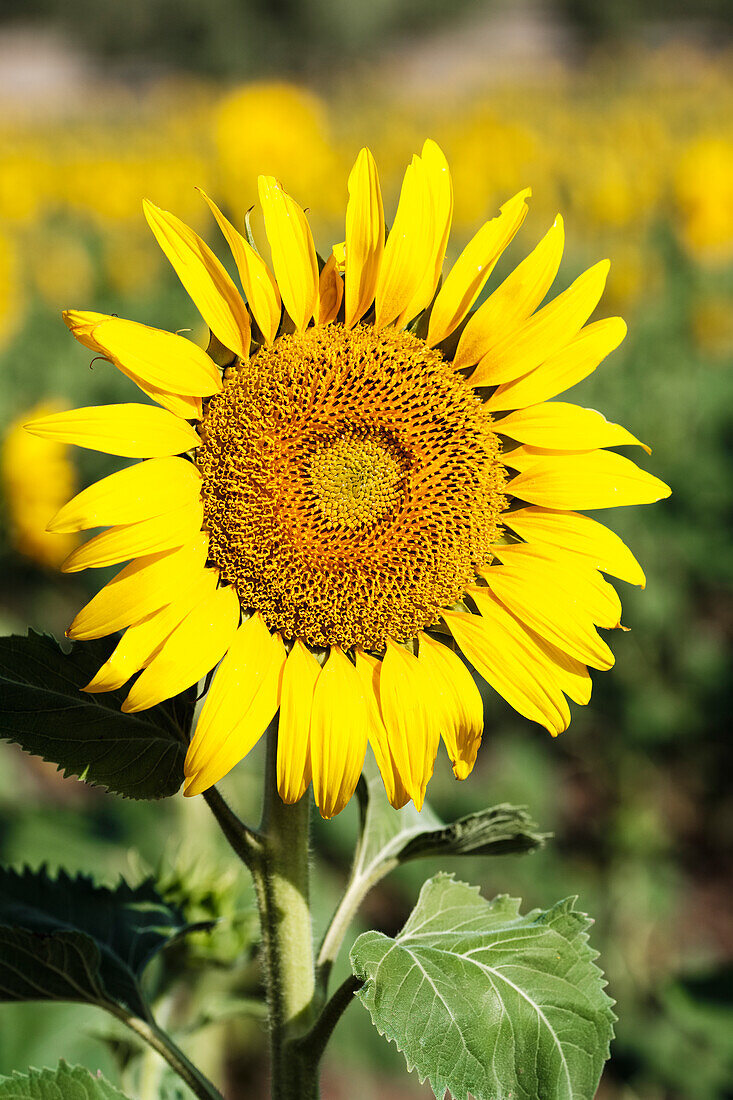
point(634, 146)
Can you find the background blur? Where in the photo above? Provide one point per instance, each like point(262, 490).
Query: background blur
point(620, 115)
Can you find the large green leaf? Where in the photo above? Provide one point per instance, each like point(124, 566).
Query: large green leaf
point(63, 1083)
point(482, 1000)
point(67, 939)
point(44, 710)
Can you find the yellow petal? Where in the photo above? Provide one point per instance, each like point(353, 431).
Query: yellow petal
point(458, 701)
point(408, 249)
point(81, 324)
point(257, 279)
point(140, 642)
point(339, 254)
point(140, 491)
point(512, 661)
point(467, 278)
point(577, 535)
point(545, 333)
point(571, 364)
point(440, 187)
point(364, 237)
point(512, 302)
point(188, 408)
point(405, 696)
point(142, 587)
point(240, 704)
point(132, 431)
point(191, 650)
point(594, 479)
point(555, 425)
point(134, 540)
point(206, 281)
point(547, 600)
point(338, 733)
point(293, 252)
point(161, 359)
point(591, 594)
point(293, 737)
point(330, 292)
point(368, 669)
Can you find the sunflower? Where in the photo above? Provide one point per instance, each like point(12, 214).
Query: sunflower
point(358, 491)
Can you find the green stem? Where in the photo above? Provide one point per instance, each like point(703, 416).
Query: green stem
point(281, 880)
point(245, 842)
point(314, 1042)
point(357, 889)
point(156, 1038)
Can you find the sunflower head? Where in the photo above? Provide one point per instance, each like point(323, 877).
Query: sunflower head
point(375, 496)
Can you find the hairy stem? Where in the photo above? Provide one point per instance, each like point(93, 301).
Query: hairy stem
point(245, 842)
point(281, 879)
point(156, 1038)
point(313, 1043)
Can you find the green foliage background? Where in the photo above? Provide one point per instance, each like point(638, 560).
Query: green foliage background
point(637, 792)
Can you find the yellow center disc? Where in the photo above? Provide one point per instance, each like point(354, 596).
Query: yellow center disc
point(351, 485)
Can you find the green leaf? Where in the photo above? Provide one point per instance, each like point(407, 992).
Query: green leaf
point(44, 710)
point(64, 1083)
point(67, 939)
point(482, 1000)
point(392, 836)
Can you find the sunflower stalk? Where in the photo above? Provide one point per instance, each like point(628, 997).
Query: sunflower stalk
point(281, 876)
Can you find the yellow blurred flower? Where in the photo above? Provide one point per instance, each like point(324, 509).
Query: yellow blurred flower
point(282, 130)
point(11, 295)
point(61, 265)
point(37, 478)
point(704, 190)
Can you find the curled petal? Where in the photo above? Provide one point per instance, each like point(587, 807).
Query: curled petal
point(330, 292)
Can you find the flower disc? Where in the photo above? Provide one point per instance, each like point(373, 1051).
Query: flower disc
point(352, 484)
